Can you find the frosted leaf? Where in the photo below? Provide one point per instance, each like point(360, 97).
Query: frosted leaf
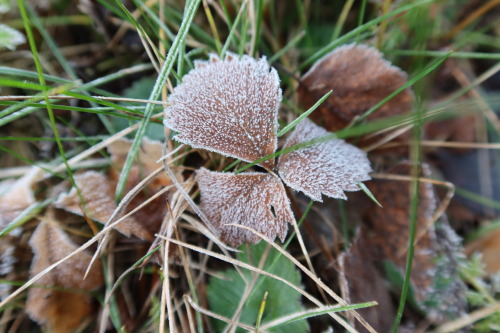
point(331, 167)
point(256, 200)
point(228, 106)
point(360, 78)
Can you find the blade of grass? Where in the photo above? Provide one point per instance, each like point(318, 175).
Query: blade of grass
point(304, 115)
point(230, 37)
point(155, 94)
point(410, 82)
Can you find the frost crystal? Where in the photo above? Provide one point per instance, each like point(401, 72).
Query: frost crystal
point(255, 200)
point(331, 167)
point(228, 106)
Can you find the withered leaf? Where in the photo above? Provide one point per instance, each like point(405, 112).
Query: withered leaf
point(61, 311)
point(255, 200)
point(360, 281)
point(434, 276)
point(489, 246)
point(228, 106)
point(359, 78)
point(330, 167)
point(97, 192)
point(15, 196)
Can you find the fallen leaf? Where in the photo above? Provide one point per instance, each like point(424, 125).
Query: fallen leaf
point(228, 106)
point(330, 167)
point(97, 192)
point(434, 278)
point(16, 196)
point(489, 246)
point(255, 200)
point(360, 78)
point(360, 281)
point(61, 311)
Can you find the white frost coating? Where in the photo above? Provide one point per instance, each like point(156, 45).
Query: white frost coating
point(228, 106)
point(256, 200)
point(331, 167)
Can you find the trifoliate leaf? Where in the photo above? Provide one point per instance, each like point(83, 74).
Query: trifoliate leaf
point(228, 106)
point(224, 295)
point(330, 167)
point(255, 200)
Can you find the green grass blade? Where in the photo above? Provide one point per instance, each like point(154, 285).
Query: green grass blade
point(155, 94)
point(304, 115)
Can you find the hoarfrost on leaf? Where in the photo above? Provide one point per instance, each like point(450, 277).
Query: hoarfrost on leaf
point(256, 200)
point(228, 106)
point(330, 167)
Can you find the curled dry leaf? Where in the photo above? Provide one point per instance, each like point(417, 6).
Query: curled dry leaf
point(255, 200)
point(61, 311)
point(16, 196)
point(330, 167)
point(360, 281)
point(489, 247)
point(435, 278)
point(228, 106)
point(97, 192)
point(359, 78)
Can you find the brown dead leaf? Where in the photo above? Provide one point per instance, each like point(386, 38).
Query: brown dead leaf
point(360, 282)
point(489, 246)
point(61, 311)
point(97, 192)
point(256, 200)
point(151, 215)
point(437, 249)
point(359, 78)
point(16, 196)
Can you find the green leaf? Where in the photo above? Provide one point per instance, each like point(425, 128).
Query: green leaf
point(10, 38)
point(140, 89)
point(224, 295)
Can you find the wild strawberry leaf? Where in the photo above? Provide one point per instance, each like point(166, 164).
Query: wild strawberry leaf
point(281, 300)
point(62, 311)
point(255, 200)
point(328, 168)
point(360, 79)
point(228, 106)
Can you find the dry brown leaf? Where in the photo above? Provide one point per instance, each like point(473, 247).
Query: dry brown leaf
point(330, 167)
point(228, 106)
point(360, 282)
point(489, 246)
point(60, 311)
point(436, 249)
point(359, 78)
point(147, 157)
point(16, 196)
point(255, 200)
point(97, 192)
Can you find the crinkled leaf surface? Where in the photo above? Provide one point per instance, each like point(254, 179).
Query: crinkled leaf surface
point(228, 106)
point(328, 168)
point(360, 78)
point(97, 192)
point(255, 200)
point(224, 295)
point(61, 311)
